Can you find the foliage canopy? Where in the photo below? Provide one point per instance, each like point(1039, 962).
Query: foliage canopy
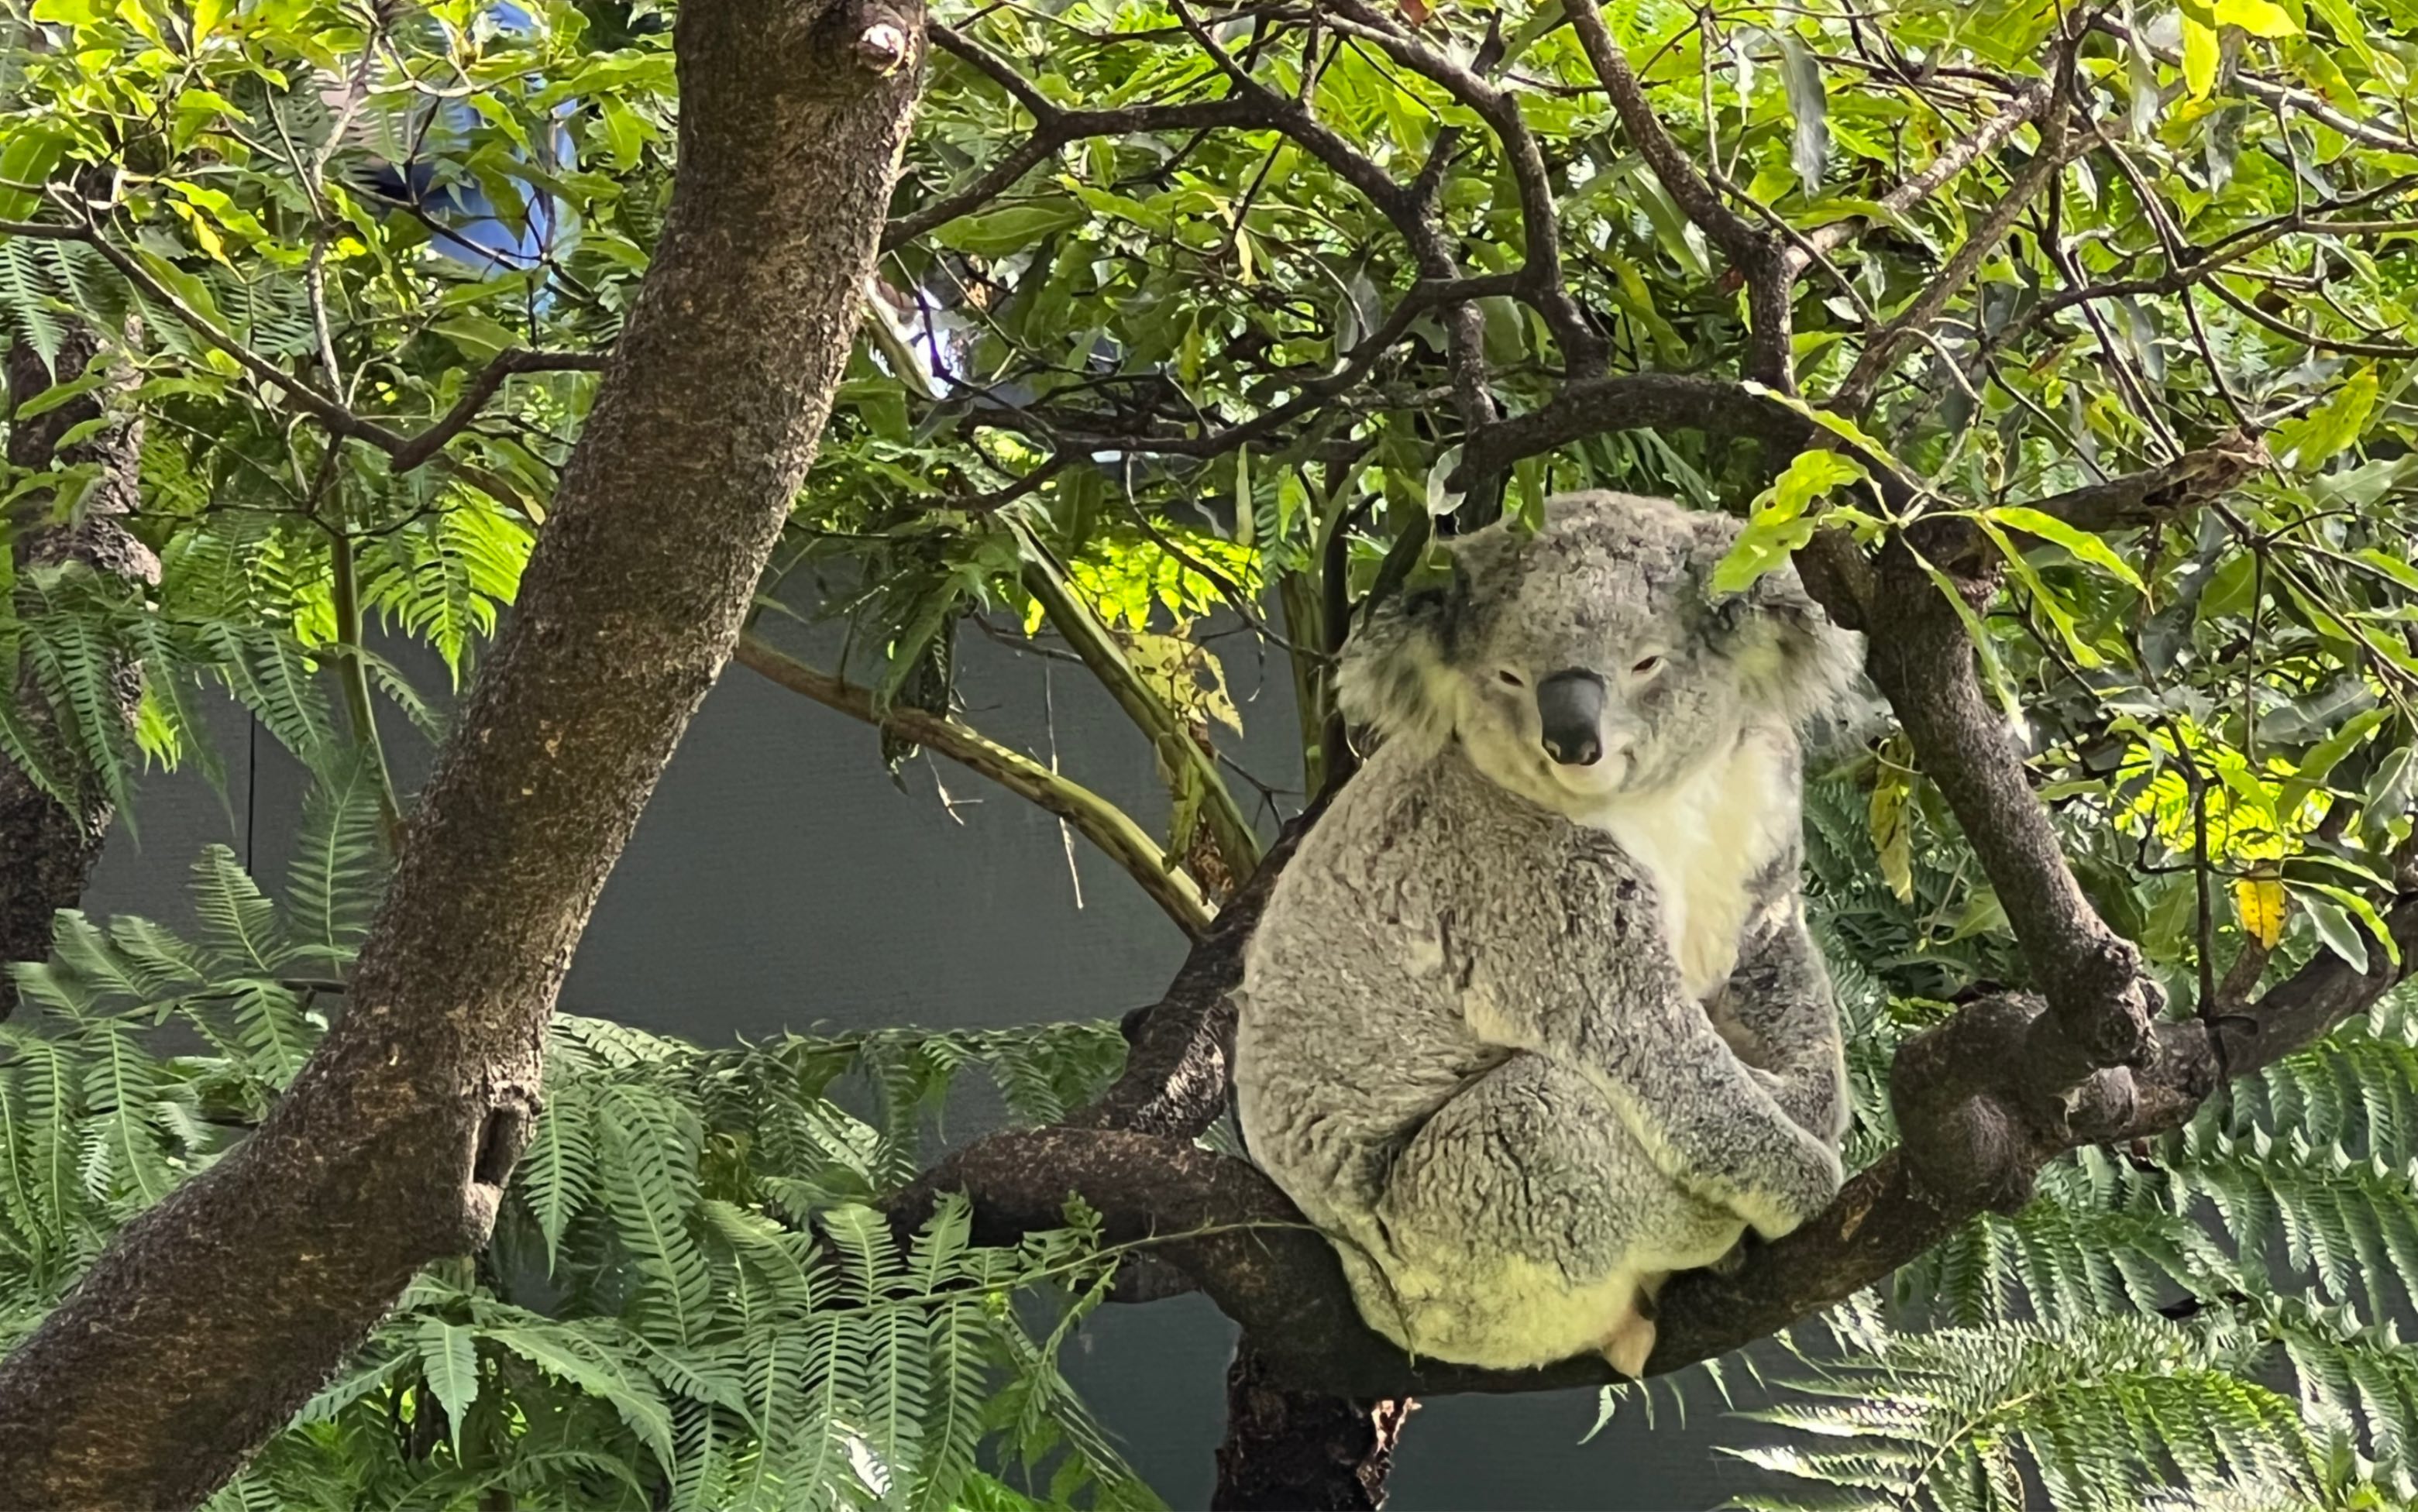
point(1191, 315)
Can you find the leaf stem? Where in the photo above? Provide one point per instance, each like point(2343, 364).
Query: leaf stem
point(1100, 822)
point(1185, 758)
point(356, 678)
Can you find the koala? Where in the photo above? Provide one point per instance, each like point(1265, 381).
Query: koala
point(1531, 1019)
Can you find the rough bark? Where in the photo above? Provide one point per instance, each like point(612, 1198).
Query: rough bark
point(47, 849)
point(1288, 1450)
point(218, 1313)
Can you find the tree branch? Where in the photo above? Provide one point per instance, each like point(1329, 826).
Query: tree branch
point(1054, 127)
point(48, 848)
point(2256, 88)
point(1757, 257)
point(1175, 1076)
point(416, 450)
point(1411, 209)
point(1095, 818)
point(1881, 353)
point(1952, 160)
point(1688, 188)
point(1540, 277)
point(2161, 493)
point(1237, 844)
point(405, 452)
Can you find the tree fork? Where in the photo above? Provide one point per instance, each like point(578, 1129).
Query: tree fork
point(218, 1313)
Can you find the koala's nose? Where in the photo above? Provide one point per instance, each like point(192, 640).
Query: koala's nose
point(1571, 705)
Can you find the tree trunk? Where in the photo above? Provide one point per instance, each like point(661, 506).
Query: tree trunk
point(1295, 1451)
point(48, 850)
point(217, 1314)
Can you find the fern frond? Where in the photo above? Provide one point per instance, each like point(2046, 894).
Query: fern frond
point(339, 866)
point(650, 1144)
point(238, 921)
point(2103, 1412)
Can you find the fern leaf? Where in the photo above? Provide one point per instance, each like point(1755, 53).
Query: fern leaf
point(449, 1362)
point(563, 1353)
point(647, 1178)
point(339, 867)
point(238, 920)
point(559, 1171)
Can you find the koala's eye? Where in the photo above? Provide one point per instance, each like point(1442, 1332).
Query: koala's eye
point(1647, 665)
point(1512, 680)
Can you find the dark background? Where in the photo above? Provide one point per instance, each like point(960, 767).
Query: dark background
point(780, 880)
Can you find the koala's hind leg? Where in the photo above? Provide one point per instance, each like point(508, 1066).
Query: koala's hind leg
point(1511, 1219)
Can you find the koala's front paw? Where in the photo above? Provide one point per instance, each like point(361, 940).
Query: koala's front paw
point(1815, 1102)
point(1809, 1177)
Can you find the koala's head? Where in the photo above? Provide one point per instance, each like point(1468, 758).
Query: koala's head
point(1592, 659)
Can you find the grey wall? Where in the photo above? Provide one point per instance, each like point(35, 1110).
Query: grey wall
point(779, 880)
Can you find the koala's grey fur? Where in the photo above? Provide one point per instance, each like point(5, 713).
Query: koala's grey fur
point(1526, 1038)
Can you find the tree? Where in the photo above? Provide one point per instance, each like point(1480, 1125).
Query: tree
point(2062, 351)
point(251, 1281)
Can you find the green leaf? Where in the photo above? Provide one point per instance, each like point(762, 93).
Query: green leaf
point(2335, 928)
point(1780, 524)
point(1010, 230)
point(2342, 17)
point(2259, 18)
point(26, 160)
point(449, 1361)
point(2079, 542)
point(2199, 57)
point(59, 393)
point(2044, 598)
point(2361, 910)
point(2307, 444)
point(1801, 76)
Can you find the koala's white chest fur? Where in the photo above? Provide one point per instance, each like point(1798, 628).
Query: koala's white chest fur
point(1705, 841)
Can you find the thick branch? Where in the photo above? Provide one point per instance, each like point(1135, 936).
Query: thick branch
point(1920, 657)
point(213, 1316)
point(2161, 493)
point(1659, 401)
point(1095, 818)
point(1175, 1076)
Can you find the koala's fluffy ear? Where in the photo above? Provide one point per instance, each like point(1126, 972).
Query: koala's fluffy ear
point(1391, 678)
point(1793, 659)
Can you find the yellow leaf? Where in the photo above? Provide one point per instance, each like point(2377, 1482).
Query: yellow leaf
point(2260, 902)
point(1893, 836)
point(2199, 57)
point(2259, 18)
